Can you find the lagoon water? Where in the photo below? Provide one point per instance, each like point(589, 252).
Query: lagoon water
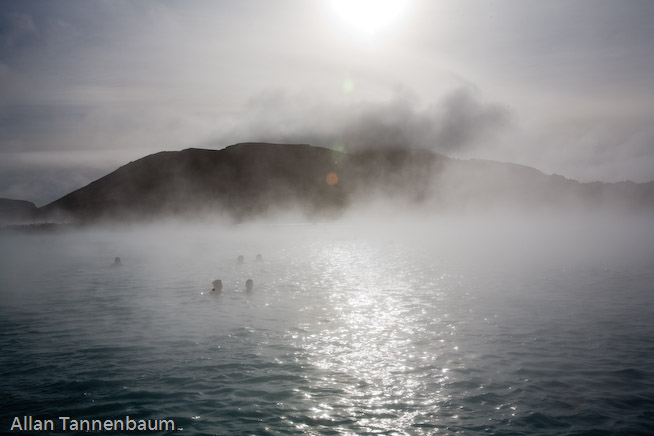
point(447, 328)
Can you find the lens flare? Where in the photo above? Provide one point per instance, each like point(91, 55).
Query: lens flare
point(332, 178)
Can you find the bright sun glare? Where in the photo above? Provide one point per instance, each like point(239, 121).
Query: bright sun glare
point(368, 16)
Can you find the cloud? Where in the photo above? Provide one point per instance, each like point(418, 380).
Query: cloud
point(134, 78)
point(595, 150)
point(43, 185)
point(465, 119)
point(16, 29)
point(456, 122)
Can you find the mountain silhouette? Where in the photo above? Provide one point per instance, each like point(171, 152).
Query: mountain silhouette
point(252, 179)
point(16, 210)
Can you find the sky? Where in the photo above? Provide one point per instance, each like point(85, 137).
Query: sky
point(87, 86)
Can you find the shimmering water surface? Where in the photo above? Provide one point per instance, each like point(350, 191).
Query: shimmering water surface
point(349, 330)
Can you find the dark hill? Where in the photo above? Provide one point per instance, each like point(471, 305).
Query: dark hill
point(248, 180)
point(16, 210)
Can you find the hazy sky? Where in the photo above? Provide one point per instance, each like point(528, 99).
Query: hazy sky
point(564, 86)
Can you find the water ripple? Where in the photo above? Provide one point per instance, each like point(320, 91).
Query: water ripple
point(341, 336)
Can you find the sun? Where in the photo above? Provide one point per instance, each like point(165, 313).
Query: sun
point(368, 16)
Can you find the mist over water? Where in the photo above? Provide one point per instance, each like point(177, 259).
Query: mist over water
point(394, 325)
point(456, 225)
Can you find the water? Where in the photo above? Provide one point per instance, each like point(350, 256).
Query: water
point(452, 329)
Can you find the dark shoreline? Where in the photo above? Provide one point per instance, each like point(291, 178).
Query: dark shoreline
point(32, 228)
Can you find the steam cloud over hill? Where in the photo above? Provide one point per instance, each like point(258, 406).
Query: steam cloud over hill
point(250, 180)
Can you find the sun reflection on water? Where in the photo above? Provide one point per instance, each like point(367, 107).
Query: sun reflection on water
point(371, 351)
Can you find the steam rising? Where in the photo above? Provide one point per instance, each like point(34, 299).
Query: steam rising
point(570, 96)
point(456, 122)
point(244, 212)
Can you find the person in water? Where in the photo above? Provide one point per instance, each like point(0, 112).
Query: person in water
point(249, 284)
point(217, 286)
point(240, 259)
point(116, 262)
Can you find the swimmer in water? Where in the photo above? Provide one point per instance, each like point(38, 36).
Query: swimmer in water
point(217, 286)
point(259, 258)
point(240, 259)
point(116, 262)
point(249, 284)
